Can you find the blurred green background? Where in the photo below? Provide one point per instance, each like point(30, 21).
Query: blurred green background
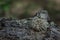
point(26, 8)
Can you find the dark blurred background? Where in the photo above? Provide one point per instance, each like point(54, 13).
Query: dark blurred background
point(27, 8)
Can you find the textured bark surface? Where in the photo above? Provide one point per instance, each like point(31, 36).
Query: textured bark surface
point(34, 28)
